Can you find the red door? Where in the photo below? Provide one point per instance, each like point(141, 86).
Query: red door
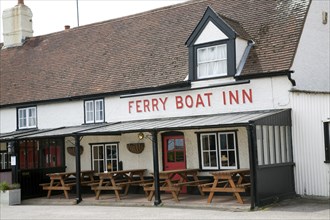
point(175, 154)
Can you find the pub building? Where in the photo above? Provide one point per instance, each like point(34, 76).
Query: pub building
point(207, 85)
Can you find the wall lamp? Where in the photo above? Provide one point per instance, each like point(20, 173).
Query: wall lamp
point(140, 136)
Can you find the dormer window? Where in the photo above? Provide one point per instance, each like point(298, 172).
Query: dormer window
point(212, 61)
point(212, 47)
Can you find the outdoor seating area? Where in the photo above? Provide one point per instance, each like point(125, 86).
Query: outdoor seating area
point(172, 182)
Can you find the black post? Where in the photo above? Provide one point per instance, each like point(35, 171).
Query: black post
point(156, 168)
point(78, 169)
point(253, 162)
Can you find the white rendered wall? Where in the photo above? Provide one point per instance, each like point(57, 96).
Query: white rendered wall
point(60, 114)
point(241, 45)
point(210, 33)
point(309, 111)
point(267, 93)
point(7, 120)
point(145, 159)
point(311, 64)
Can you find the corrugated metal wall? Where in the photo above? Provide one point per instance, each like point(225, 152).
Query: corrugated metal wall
point(309, 111)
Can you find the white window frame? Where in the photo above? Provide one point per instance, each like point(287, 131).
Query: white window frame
point(209, 151)
point(227, 150)
point(94, 113)
point(27, 117)
point(209, 62)
point(106, 158)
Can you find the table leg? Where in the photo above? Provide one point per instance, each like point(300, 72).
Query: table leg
point(237, 195)
point(215, 183)
point(174, 193)
point(113, 183)
point(199, 188)
point(98, 191)
point(50, 186)
point(65, 191)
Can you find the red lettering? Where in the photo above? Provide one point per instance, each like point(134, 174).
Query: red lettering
point(154, 104)
point(130, 103)
point(224, 98)
point(208, 98)
point(138, 107)
point(163, 102)
point(234, 97)
point(190, 103)
point(178, 101)
point(146, 104)
point(247, 96)
point(199, 101)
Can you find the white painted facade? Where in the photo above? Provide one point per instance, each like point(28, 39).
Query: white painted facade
point(259, 94)
point(311, 109)
point(311, 63)
point(145, 159)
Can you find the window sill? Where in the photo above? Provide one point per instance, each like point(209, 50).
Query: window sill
point(327, 161)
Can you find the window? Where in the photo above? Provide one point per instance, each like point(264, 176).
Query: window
point(212, 61)
point(94, 111)
point(273, 144)
point(27, 117)
point(218, 150)
point(105, 157)
point(4, 157)
point(227, 150)
point(327, 141)
point(45, 153)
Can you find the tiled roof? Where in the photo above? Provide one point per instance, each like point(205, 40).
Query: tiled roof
point(142, 51)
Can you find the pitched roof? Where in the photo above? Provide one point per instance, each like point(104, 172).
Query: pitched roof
point(142, 51)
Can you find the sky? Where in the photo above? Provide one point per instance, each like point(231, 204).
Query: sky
point(52, 15)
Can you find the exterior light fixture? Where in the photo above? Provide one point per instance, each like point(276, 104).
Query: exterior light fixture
point(140, 136)
point(324, 17)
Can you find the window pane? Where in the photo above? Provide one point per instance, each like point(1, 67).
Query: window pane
point(212, 142)
point(99, 110)
point(89, 111)
point(223, 141)
point(170, 156)
point(22, 118)
point(179, 156)
point(212, 61)
point(232, 159)
point(260, 150)
point(206, 159)
point(205, 142)
point(32, 117)
point(179, 144)
point(231, 140)
point(170, 144)
point(213, 156)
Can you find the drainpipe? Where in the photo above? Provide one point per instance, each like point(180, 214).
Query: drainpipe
point(253, 162)
point(78, 169)
point(157, 201)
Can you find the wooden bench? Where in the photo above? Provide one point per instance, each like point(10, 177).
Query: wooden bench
point(191, 183)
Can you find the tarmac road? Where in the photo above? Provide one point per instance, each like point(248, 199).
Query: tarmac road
point(289, 209)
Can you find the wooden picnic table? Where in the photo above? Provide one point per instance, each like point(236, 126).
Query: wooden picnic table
point(65, 181)
point(227, 181)
point(117, 181)
point(169, 182)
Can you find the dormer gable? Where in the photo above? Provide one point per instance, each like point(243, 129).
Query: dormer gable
point(212, 47)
